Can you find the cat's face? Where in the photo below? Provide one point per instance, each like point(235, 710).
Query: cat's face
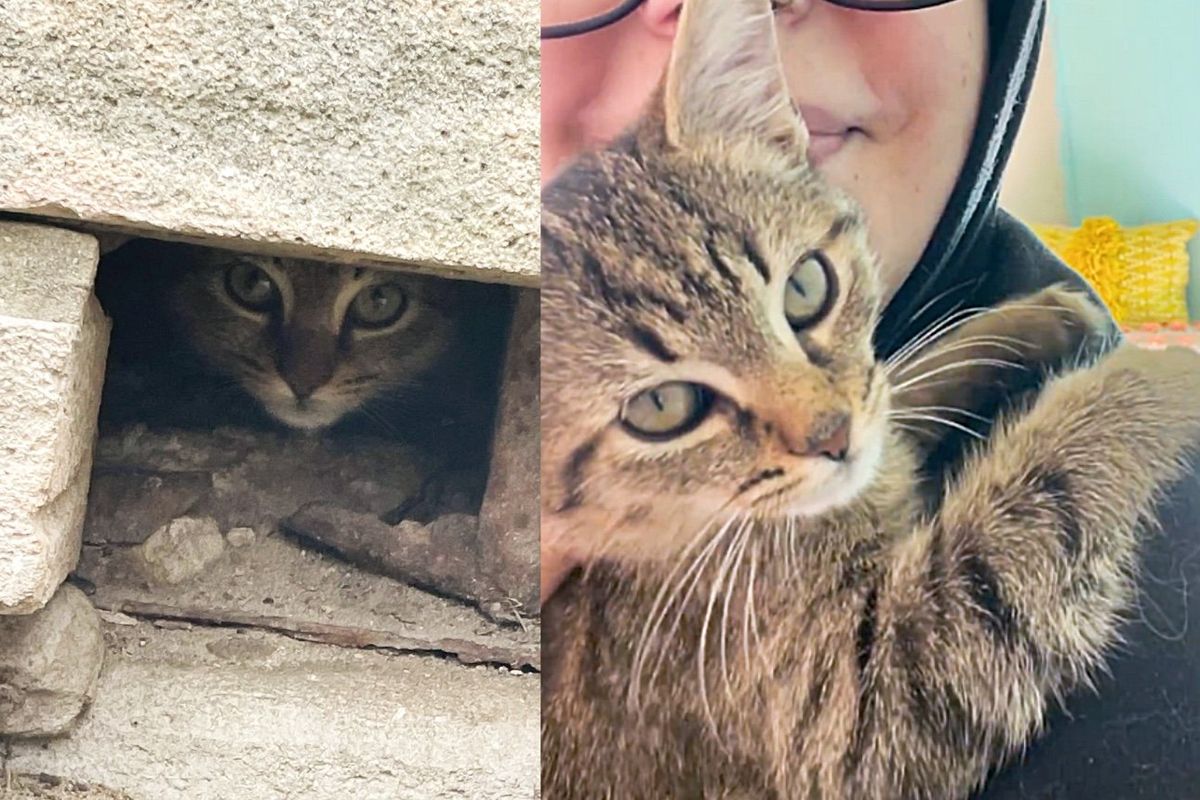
point(707, 313)
point(310, 341)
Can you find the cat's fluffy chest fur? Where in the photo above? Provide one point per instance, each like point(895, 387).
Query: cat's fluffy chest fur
point(779, 658)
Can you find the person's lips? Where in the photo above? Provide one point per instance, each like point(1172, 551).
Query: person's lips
point(822, 146)
point(828, 132)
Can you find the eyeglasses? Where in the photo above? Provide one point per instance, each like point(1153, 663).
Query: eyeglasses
point(560, 18)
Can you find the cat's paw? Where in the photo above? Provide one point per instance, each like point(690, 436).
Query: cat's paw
point(1052, 329)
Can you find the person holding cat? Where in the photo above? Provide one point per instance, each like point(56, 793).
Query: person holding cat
point(914, 113)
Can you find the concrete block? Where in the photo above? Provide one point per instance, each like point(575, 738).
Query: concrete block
point(49, 664)
point(274, 719)
point(385, 133)
point(508, 522)
point(53, 341)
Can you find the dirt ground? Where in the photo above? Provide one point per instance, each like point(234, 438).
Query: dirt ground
point(275, 577)
point(213, 688)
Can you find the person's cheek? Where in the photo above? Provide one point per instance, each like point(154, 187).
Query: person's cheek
point(637, 64)
point(902, 60)
point(926, 72)
point(571, 72)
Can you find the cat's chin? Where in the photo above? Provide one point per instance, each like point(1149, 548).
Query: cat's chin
point(841, 484)
point(309, 418)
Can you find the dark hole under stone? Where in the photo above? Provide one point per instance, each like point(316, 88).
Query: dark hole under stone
point(159, 394)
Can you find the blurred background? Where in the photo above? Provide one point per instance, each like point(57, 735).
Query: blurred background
point(1107, 168)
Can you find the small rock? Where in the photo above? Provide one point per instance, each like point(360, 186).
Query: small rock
point(181, 549)
point(117, 618)
point(173, 624)
point(241, 537)
point(49, 663)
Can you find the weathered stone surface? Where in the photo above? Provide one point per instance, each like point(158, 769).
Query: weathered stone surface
point(402, 133)
point(51, 787)
point(49, 663)
point(241, 537)
point(182, 549)
point(439, 556)
point(53, 339)
point(127, 506)
point(508, 524)
point(175, 721)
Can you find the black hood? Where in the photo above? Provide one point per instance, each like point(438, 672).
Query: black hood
point(959, 256)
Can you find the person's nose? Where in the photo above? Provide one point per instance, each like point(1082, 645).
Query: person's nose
point(794, 8)
point(661, 16)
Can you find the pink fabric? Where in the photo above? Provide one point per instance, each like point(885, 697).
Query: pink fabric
point(1158, 337)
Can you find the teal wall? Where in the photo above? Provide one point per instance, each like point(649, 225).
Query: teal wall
point(1129, 96)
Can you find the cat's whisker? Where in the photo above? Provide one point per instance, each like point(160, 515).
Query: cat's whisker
point(1008, 344)
point(750, 616)
point(378, 419)
point(794, 538)
point(726, 570)
point(937, 329)
point(937, 298)
point(948, 423)
point(387, 383)
point(908, 429)
point(952, 322)
point(671, 585)
point(965, 363)
point(902, 412)
point(697, 573)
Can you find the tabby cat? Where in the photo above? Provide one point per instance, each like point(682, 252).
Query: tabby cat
point(773, 610)
point(315, 345)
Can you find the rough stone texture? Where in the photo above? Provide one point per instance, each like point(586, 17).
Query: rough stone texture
point(402, 133)
point(440, 556)
point(126, 506)
point(182, 549)
point(51, 787)
point(49, 662)
point(508, 525)
point(241, 537)
point(185, 715)
point(282, 579)
point(53, 340)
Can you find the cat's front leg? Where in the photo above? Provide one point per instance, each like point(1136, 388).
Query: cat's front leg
point(1013, 594)
point(972, 366)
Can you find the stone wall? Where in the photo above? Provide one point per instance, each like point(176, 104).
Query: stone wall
point(367, 130)
point(53, 338)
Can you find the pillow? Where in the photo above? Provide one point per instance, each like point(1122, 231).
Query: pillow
point(1141, 273)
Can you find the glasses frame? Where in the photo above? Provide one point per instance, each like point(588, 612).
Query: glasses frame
point(623, 9)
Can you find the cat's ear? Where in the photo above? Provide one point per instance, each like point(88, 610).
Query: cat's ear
point(726, 79)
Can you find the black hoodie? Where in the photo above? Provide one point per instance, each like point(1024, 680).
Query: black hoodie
point(1139, 735)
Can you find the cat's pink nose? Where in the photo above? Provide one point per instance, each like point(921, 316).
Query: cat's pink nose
point(828, 436)
point(831, 437)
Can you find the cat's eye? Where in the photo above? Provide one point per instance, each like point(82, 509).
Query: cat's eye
point(378, 306)
point(667, 410)
point(810, 291)
point(250, 286)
